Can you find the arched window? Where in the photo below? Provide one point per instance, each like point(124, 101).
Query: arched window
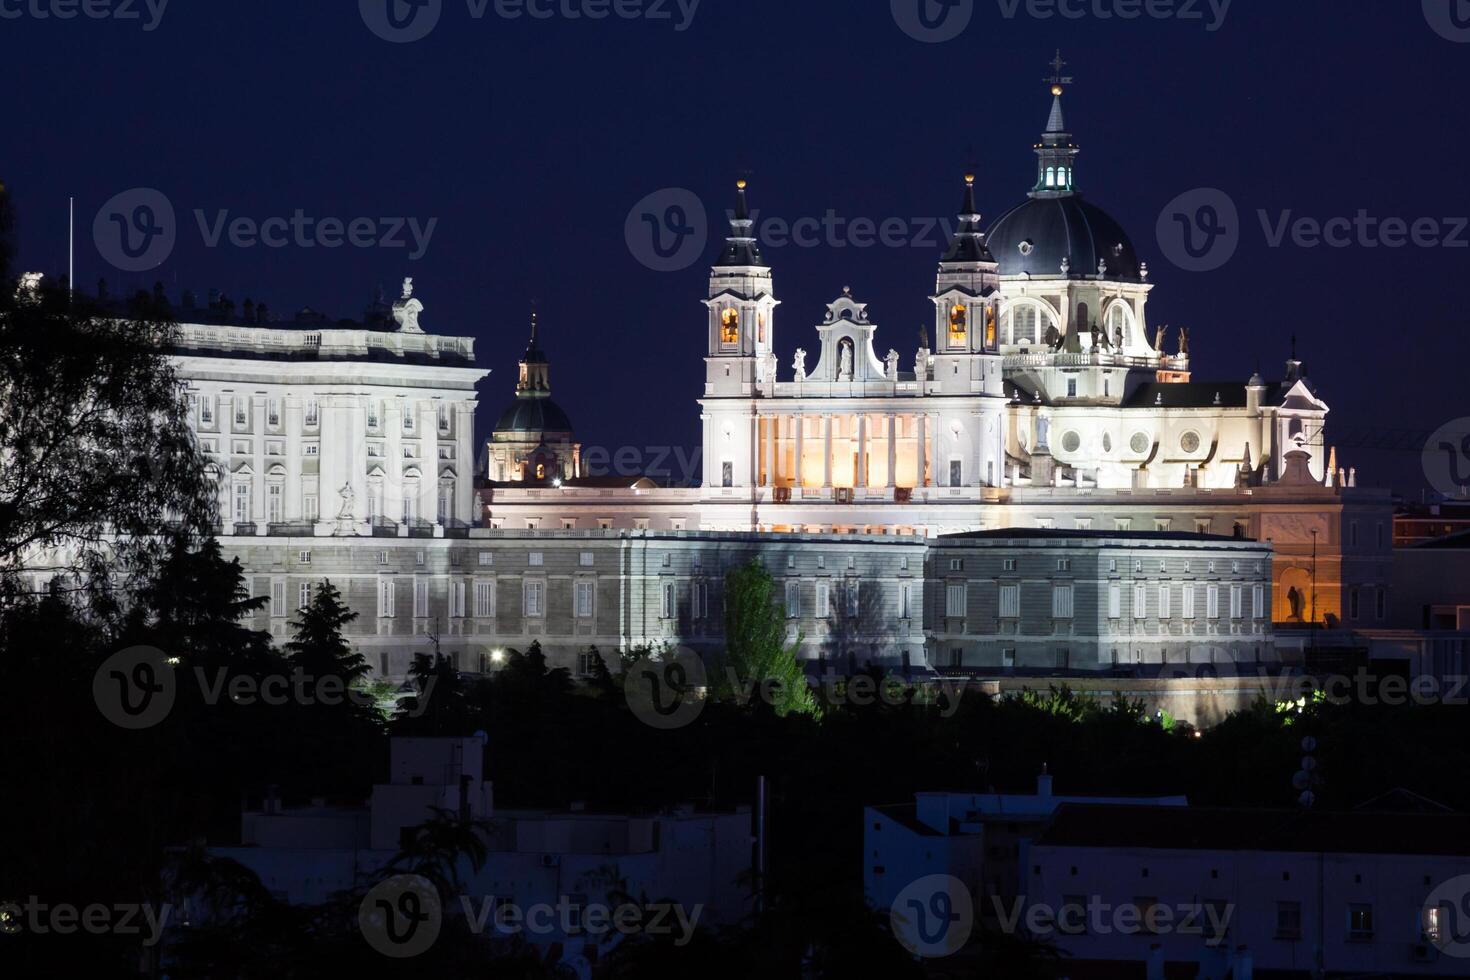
point(1120, 324)
point(1051, 177)
point(1024, 323)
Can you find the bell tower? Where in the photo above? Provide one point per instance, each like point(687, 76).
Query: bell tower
point(741, 305)
point(966, 309)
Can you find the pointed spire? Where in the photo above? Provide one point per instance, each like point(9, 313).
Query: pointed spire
point(1057, 156)
point(535, 374)
point(741, 247)
point(968, 244)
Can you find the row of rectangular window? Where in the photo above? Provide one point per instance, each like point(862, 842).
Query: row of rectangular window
point(956, 601)
point(239, 408)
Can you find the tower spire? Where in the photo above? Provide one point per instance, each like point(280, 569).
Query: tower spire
point(968, 244)
point(1056, 154)
point(535, 373)
point(741, 247)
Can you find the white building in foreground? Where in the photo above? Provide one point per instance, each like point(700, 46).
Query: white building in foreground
point(571, 859)
point(1307, 893)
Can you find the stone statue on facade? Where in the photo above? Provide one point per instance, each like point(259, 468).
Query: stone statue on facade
point(799, 365)
point(1161, 335)
point(891, 362)
point(844, 363)
point(1183, 341)
point(407, 309)
point(348, 499)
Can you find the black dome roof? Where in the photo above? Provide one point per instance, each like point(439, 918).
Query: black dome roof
point(533, 415)
point(1035, 237)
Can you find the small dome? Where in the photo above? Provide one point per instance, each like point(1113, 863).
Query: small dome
point(527, 416)
point(1035, 237)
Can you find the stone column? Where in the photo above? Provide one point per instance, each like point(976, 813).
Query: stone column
point(257, 490)
point(978, 421)
point(772, 423)
point(934, 460)
point(921, 448)
point(827, 452)
point(892, 450)
point(800, 421)
point(295, 414)
point(355, 408)
point(862, 473)
point(464, 462)
point(331, 465)
point(393, 409)
point(428, 433)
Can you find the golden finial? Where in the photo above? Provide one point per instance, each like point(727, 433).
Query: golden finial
point(740, 184)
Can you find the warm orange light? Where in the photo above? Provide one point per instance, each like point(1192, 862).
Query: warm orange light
point(1056, 90)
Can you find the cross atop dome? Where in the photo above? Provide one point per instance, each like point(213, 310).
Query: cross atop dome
point(1056, 169)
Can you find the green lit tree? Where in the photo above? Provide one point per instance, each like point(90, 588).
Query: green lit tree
point(755, 641)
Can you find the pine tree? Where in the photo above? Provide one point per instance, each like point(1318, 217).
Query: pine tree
point(318, 647)
point(755, 638)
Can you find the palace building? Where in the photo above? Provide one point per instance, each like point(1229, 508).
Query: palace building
point(1037, 486)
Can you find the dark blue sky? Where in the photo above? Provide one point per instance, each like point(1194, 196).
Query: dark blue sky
point(531, 139)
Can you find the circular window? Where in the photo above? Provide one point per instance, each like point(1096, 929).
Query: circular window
point(1107, 442)
point(1071, 442)
point(1027, 247)
point(1139, 443)
point(1189, 442)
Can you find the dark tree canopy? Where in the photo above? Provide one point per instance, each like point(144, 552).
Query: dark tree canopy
point(102, 472)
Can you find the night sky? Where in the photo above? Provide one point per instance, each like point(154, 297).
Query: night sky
point(531, 139)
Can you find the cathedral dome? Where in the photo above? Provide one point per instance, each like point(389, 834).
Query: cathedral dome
point(1036, 237)
point(533, 416)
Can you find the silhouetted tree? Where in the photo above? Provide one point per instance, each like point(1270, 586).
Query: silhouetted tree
point(102, 471)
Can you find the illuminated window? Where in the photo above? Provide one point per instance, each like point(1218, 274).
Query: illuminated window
point(957, 321)
point(730, 326)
